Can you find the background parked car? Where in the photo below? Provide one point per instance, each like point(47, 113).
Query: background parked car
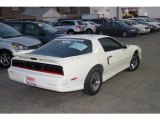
point(150, 21)
point(141, 21)
point(141, 28)
point(40, 30)
point(90, 27)
point(12, 42)
point(70, 26)
point(99, 21)
point(117, 28)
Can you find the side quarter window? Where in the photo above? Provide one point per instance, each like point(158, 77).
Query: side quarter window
point(17, 26)
point(109, 44)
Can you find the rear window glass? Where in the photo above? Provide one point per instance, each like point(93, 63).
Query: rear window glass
point(80, 22)
point(65, 48)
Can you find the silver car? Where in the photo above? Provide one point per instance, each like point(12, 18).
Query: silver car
point(90, 26)
point(142, 29)
point(13, 43)
point(70, 26)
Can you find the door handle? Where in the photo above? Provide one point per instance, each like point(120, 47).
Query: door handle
point(109, 58)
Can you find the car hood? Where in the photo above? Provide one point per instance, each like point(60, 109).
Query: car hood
point(153, 23)
point(24, 40)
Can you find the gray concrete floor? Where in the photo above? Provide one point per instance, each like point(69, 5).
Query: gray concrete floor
point(127, 92)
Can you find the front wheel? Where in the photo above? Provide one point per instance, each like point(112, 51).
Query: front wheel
point(101, 32)
point(134, 63)
point(124, 34)
point(93, 82)
point(89, 31)
point(5, 59)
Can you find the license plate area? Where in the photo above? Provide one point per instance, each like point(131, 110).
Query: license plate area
point(30, 81)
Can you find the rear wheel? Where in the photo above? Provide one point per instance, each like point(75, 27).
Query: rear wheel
point(93, 82)
point(71, 32)
point(5, 59)
point(135, 61)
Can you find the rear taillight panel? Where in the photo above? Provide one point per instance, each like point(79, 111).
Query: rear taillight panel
point(78, 27)
point(40, 67)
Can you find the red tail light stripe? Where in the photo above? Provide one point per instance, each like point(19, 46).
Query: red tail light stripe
point(40, 70)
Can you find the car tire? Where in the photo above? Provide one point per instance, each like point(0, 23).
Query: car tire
point(134, 63)
point(101, 32)
point(93, 82)
point(5, 59)
point(71, 32)
point(89, 31)
point(124, 34)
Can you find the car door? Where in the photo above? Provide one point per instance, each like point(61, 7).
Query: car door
point(115, 29)
point(116, 56)
point(107, 28)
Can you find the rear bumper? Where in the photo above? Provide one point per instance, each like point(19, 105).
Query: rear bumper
point(42, 80)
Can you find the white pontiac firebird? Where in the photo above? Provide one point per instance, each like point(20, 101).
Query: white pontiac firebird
point(75, 62)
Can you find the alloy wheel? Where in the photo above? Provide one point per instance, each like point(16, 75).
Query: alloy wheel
point(133, 63)
point(95, 81)
point(5, 59)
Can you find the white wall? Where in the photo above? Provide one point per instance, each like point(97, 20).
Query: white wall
point(52, 15)
point(153, 12)
point(109, 12)
point(106, 11)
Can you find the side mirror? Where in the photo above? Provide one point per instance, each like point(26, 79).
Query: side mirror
point(124, 46)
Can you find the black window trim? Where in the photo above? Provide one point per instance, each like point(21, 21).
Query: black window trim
point(121, 46)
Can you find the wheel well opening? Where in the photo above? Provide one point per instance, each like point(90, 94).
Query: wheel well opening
point(136, 52)
point(99, 66)
point(70, 30)
point(5, 50)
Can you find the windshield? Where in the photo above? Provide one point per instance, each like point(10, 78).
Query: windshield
point(65, 48)
point(149, 20)
point(80, 23)
point(7, 31)
point(134, 22)
point(141, 21)
point(47, 28)
point(92, 23)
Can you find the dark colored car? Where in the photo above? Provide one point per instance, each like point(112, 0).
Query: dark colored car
point(117, 28)
point(40, 30)
point(141, 21)
point(98, 21)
